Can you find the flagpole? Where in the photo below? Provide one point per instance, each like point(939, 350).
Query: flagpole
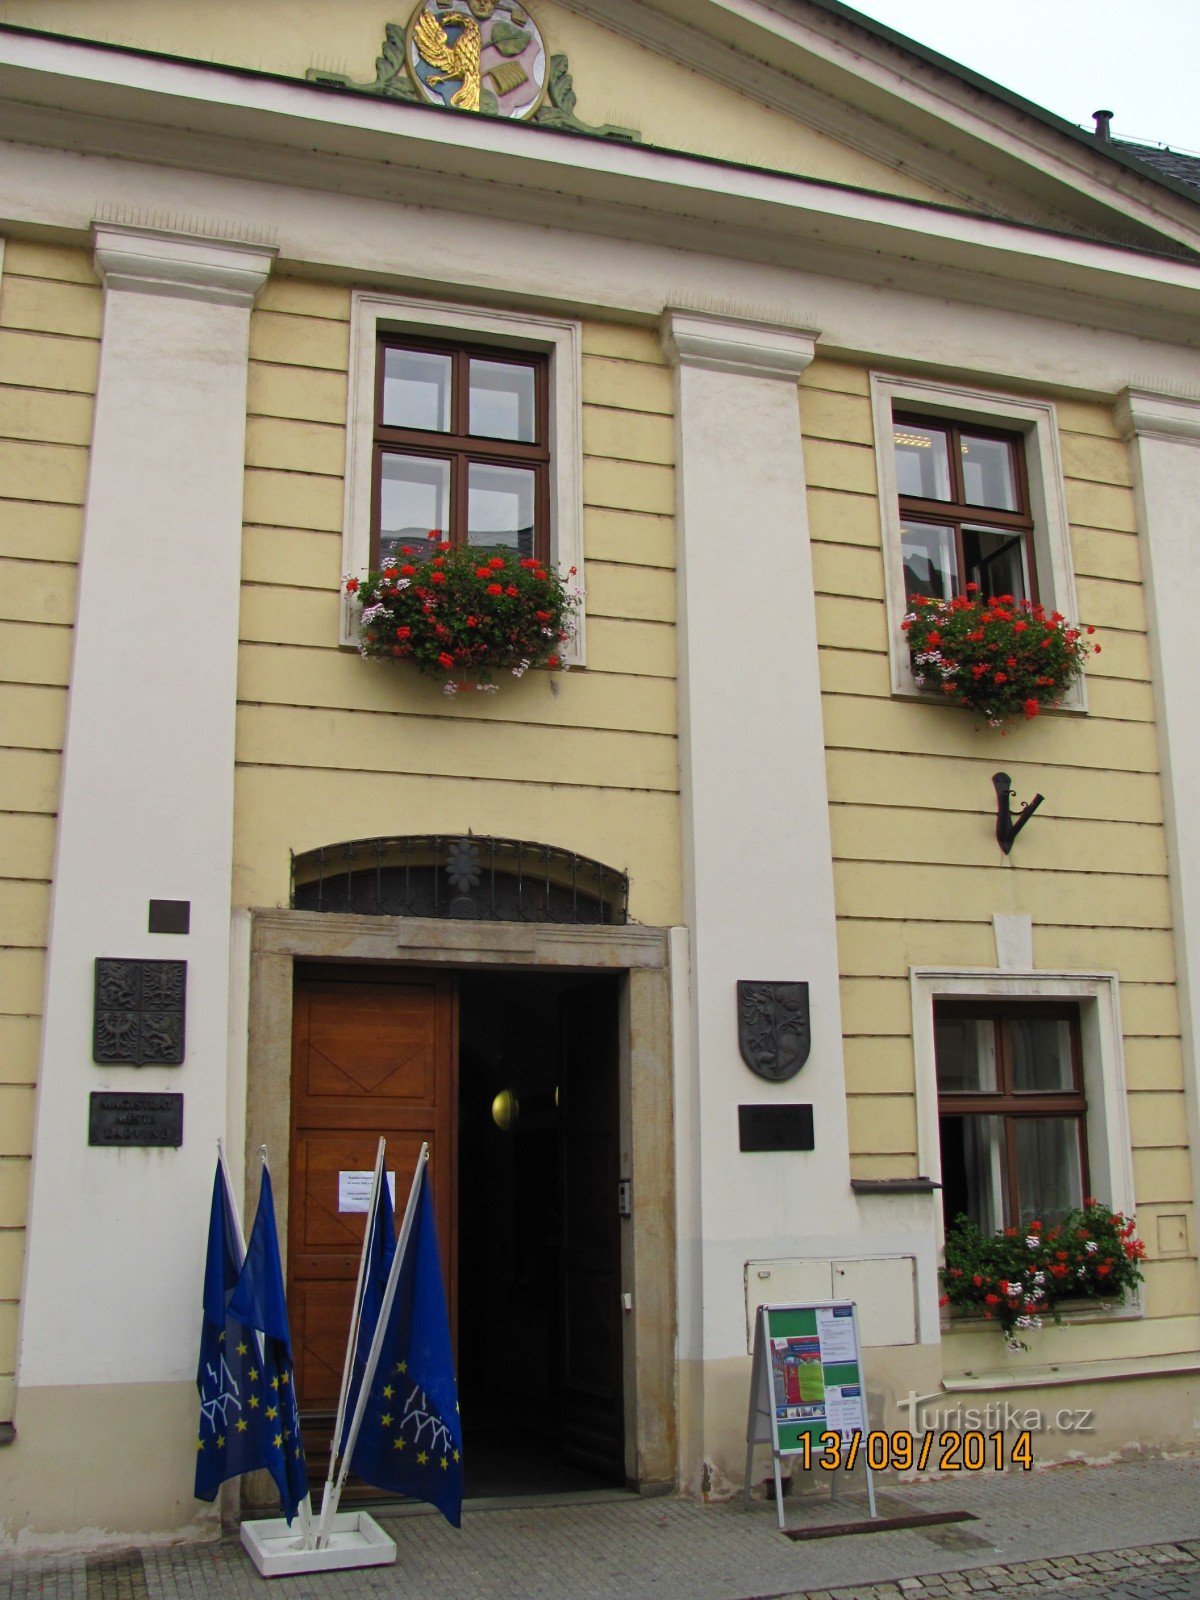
point(385, 1311)
point(351, 1344)
point(304, 1510)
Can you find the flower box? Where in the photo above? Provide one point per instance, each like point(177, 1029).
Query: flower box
point(1000, 657)
point(464, 613)
point(1018, 1277)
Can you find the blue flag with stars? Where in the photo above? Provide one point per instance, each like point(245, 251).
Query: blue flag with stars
point(410, 1440)
point(380, 1251)
point(259, 1303)
point(229, 1375)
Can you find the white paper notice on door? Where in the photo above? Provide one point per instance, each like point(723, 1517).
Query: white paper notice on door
point(354, 1190)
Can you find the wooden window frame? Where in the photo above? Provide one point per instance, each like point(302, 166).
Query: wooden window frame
point(458, 445)
point(957, 510)
point(1034, 421)
point(1012, 1105)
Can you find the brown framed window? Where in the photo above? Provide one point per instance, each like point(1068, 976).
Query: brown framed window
point(964, 509)
point(461, 444)
point(1012, 1113)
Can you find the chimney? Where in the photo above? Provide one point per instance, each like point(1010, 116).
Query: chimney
point(1103, 131)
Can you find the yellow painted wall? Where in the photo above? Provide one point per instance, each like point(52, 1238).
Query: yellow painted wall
point(50, 307)
point(331, 747)
point(615, 79)
point(917, 871)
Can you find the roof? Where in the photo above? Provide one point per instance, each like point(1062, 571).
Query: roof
point(1175, 171)
point(1183, 168)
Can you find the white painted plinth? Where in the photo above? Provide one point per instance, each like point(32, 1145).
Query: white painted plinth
point(356, 1540)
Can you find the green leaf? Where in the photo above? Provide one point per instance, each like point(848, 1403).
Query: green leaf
point(509, 39)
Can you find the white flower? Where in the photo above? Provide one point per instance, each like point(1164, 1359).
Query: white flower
point(1039, 1278)
point(919, 680)
point(995, 722)
point(488, 688)
point(1014, 1291)
point(402, 583)
point(1091, 1247)
point(1033, 1242)
point(449, 688)
point(1081, 1272)
point(1029, 1322)
point(371, 613)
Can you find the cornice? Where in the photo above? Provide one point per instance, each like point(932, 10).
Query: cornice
point(922, 88)
point(185, 266)
point(1142, 414)
point(731, 344)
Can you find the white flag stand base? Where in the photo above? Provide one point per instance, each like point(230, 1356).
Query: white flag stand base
point(355, 1540)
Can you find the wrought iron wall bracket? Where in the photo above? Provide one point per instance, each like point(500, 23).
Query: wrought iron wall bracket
point(1008, 826)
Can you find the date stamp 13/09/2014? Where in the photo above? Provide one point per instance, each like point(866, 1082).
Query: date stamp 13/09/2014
point(950, 1451)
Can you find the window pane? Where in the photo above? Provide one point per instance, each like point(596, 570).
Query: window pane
point(1049, 1170)
point(414, 496)
point(416, 390)
point(1041, 1055)
point(922, 462)
point(965, 1048)
point(973, 1170)
point(988, 477)
point(996, 562)
point(930, 562)
point(503, 401)
point(500, 503)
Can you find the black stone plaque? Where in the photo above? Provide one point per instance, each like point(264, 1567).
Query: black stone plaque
point(774, 1034)
point(139, 1013)
point(136, 1119)
point(170, 916)
point(775, 1127)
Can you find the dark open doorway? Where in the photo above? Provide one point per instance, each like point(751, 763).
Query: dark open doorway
point(539, 1272)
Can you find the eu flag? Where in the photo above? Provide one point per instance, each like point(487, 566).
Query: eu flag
point(410, 1440)
point(258, 1301)
point(230, 1374)
point(380, 1252)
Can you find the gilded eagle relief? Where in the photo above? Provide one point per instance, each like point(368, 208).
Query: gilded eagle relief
point(478, 55)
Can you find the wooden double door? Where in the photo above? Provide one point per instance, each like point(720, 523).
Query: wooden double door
point(375, 1052)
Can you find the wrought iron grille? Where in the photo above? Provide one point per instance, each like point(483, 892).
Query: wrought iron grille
point(459, 875)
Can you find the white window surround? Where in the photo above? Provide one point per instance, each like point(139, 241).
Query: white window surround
point(1110, 1159)
point(371, 314)
point(1037, 421)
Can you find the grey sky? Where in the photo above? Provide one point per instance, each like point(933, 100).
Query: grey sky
point(1073, 56)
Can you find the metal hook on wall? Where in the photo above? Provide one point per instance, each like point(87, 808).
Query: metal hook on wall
point(1008, 827)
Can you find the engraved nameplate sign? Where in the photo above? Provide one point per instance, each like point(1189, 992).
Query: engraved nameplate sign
point(154, 1120)
point(139, 1013)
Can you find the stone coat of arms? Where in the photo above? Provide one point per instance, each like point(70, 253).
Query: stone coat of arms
point(774, 1034)
point(478, 55)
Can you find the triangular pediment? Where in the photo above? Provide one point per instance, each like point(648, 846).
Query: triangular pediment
point(804, 88)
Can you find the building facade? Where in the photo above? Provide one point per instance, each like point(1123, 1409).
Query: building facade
point(769, 273)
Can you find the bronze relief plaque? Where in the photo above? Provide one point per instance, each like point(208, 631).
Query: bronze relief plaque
point(774, 1034)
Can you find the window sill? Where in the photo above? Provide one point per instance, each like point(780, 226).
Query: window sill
point(1061, 1374)
point(1074, 706)
point(1087, 1313)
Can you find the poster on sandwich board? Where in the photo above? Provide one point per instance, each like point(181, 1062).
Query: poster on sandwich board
point(806, 1381)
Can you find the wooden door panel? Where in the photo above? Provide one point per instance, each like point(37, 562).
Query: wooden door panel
point(592, 1355)
point(379, 1042)
point(372, 1056)
point(318, 1159)
point(319, 1314)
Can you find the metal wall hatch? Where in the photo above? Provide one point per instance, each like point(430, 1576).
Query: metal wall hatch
point(473, 877)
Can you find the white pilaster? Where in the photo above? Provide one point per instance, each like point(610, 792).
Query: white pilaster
point(1164, 437)
point(757, 855)
point(117, 1236)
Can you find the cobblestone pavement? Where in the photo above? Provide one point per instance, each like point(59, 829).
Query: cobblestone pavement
point(1126, 1532)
